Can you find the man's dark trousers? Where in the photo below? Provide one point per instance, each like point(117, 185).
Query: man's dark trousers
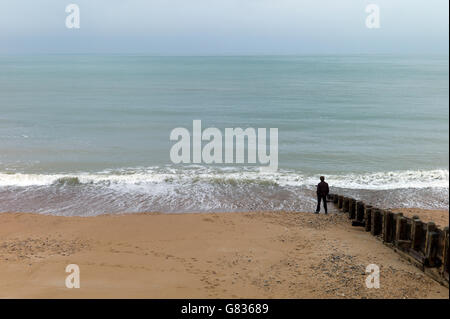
point(324, 198)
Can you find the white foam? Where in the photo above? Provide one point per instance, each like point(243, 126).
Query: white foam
point(141, 177)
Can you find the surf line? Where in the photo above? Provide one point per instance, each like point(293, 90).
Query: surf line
point(212, 152)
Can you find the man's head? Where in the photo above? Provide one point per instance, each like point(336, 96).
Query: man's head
point(322, 178)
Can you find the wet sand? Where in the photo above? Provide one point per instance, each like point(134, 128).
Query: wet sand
point(207, 255)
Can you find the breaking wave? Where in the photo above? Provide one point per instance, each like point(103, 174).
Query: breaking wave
point(198, 188)
point(195, 174)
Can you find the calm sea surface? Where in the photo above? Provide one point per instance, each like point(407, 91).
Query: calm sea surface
point(83, 135)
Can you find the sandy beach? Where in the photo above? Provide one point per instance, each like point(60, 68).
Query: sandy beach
point(439, 217)
point(204, 255)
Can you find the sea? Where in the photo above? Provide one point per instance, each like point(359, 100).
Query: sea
point(83, 135)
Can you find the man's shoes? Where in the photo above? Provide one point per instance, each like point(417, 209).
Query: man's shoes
point(326, 213)
point(316, 212)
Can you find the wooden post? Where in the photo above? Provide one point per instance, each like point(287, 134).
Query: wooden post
point(388, 226)
point(416, 233)
point(335, 199)
point(351, 208)
point(368, 217)
point(402, 240)
point(376, 222)
point(340, 201)
point(399, 222)
point(431, 244)
point(360, 211)
point(345, 204)
point(444, 268)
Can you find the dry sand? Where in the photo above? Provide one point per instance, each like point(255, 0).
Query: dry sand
point(439, 217)
point(227, 255)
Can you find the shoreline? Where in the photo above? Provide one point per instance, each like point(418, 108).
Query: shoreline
point(205, 188)
point(201, 255)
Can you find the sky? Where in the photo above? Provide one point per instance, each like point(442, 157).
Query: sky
point(209, 27)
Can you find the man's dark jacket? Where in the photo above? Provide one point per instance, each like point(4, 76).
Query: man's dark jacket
point(322, 189)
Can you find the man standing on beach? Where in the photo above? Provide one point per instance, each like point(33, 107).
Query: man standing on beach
point(322, 192)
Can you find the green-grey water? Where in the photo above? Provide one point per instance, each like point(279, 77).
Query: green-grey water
point(81, 135)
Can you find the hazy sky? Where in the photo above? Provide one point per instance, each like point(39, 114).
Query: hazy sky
point(224, 27)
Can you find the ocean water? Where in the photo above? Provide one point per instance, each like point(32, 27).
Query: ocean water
point(85, 135)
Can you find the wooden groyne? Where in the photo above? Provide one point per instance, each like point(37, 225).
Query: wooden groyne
point(424, 244)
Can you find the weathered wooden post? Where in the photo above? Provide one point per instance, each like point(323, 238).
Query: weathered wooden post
point(368, 217)
point(444, 268)
point(416, 233)
point(360, 211)
point(388, 226)
point(351, 208)
point(399, 227)
point(402, 232)
point(340, 201)
point(345, 205)
point(431, 244)
point(359, 215)
point(376, 223)
point(335, 199)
